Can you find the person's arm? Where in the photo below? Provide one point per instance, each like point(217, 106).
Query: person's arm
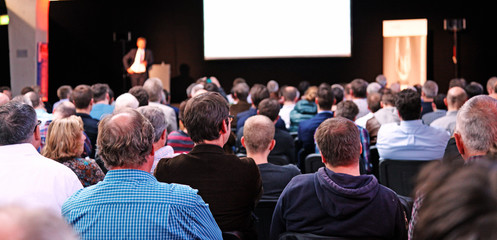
point(127, 58)
point(149, 59)
point(205, 224)
point(277, 223)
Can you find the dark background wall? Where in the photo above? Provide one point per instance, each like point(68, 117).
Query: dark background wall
point(82, 49)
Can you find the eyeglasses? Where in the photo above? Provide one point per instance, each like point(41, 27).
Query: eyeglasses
point(37, 124)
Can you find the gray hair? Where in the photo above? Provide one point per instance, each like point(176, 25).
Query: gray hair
point(273, 86)
point(373, 87)
point(476, 123)
point(38, 224)
point(17, 123)
point(430, 88)
point(154, 87)
point(126, 100)
point(156, 117)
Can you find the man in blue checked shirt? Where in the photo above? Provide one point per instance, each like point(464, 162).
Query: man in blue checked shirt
point(130, 203)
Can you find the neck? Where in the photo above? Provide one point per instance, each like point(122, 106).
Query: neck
point(105, 101)
point(427, 99)
point(350, 170)
point(259, 158)
point(322, 110)
point(83, 110)
point(217, 142)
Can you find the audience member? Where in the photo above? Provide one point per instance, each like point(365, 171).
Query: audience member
point(26, 89)
point(41, 112)
point(129, 203)
point(63, 93)
point(65, 144)
point(179, 140)
point(154, 87)
point(126, 100)
point(19, 223)
point(6, 90)
point(490, 86)
point(473, 89)
point(337, 90)
point(324, 101)
point(382, 80)
point(82, 97)
point(285, 145)
point(101, 101)
point(411, 139)
point(231, 186)
point(457, 82)
point(231, 98)
point(290, 96)
point(304, 109)
point(239, 94)
point(303, 86)
point(458, 202)
point(373, 87)
point(26, 177)
point(386, 114)
point(395, 87)
point(156, 118)
point(140, 94)
point(337, 200)
point(4, 98)
point(428, 93)
point(456, 97)
point(358, 92)
point(439, 109)
point(259, 143)
point(273, 87)
point(374, 104)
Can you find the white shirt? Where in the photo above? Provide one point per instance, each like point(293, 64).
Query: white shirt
point(362, 104)
point(31, 180)
point(285, 114)
point(362, 120)
point(411, 140)
point(138, 65)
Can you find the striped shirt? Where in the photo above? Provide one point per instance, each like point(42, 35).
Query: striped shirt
point(180, 141)
point(132, 204)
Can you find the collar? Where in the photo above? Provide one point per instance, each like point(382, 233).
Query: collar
point(128, 175)
point(411, 123)
point(211, 148)
point(18, 149)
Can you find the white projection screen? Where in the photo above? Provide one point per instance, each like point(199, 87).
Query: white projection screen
point(251, 29)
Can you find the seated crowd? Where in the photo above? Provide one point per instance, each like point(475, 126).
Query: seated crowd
point(139, 167)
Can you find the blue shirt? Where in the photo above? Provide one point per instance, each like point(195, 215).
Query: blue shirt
point(99, 110)
point(411, 140)
point(132, 204)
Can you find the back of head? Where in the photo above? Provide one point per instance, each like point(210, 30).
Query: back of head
point(156, 117)
point(456, 97)
point(303, 86)
point(100, 91)
point(476, 123)
point(124, 139)
point(457, 82)
point(408, 103)
point(17, 123)
point(373, 87)
point(439, 101)
point(258, 133)
point(258, 92)
point(474, 89)
point(241, 90)
point(290, 93)
point(154, 87)
point(455, 208)
point(325, 97)
point(126, 100)
point(34, 98)
point(82, 96)
point(490, 84)
point(181, 111)
point(26, 89)
point(347, 109)
point(359, 88)
point(140, 94)
point(64, 91)
point(337, 90)
point(270, 108)
point(382, 80)
point(338, 141)
point(388, 99)
point(204, 115)
point(310, 94)
point(374, 100)
point(273, 86)
point(4, 99)
point(430, 88)
point(63, 139)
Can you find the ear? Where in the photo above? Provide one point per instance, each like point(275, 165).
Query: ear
point(445, 101)
point(322, 158)
point(273, 143)
point(381, 105)
point(243, 142)
point(224, 128)
point(459, 143)
point(258, 111)
point(164, 134)
point(360, 151)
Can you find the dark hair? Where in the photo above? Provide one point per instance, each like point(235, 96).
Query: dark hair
point(338, 93)
point(81, 96)
point(241, 90)
point(270, 108)
point(474, 89)
point(457, 82)
point(258, 92)
point(359, 88)
point(99, 91)
point(140, 94)
point(34, 98)
point(64, 91)
point(325, 97)
point(303, 86)
point(459, 202)
point(439, 101)
point(127, 142)
point(25, 90)
point(347, 109)
point(3, 88)
point(388, 98)
point(181, 108)
point(289, 93)
point(339, 142)
point(408, 103)
point(17, 123)
point(204, 115)
point(374, 101)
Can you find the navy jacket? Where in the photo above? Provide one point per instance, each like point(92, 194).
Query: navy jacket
point(307, 129)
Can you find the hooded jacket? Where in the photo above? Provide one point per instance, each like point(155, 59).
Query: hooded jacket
point(339, 205)
point(303, 110)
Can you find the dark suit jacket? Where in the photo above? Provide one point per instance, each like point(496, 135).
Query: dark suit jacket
point(307, 129)
point(231, 186)
point(90, 126)
point(243, 116)
point(129, 58)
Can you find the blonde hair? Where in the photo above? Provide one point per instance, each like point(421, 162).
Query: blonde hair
point(311, 93)
point(63, 139)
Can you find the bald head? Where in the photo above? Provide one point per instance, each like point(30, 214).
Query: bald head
point(258, 133)
point(490, 84)
point(64, 109)
point(3, 99)
point(456, 97)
